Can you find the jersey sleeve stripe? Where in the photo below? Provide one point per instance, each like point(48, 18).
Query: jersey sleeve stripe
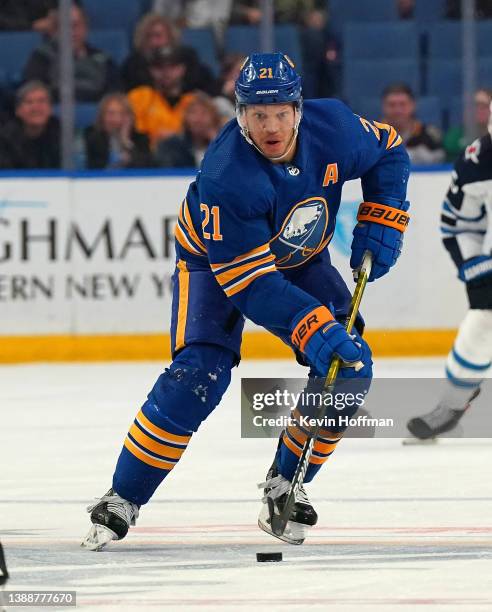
point(245, 282)
point(256, 252)
point(457, 232)
point(392, 136)
point(184, 240)
point(234, 273)
point(188, 223)
point(397, 143)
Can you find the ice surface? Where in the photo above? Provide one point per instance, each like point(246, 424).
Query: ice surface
point(401, 528)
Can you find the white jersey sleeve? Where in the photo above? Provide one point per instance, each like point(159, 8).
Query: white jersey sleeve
point(466, 211)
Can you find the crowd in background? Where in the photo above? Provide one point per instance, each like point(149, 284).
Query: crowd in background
point(162, 106)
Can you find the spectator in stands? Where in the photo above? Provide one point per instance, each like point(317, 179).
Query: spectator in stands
point(455, 139)
point(32, 138)
point(113, 142)
point(196, 13)
point(406, 9)
point(320, 48)
point(155, 32)
point(159, 109)
point(321, 57)
point(6, 105)
point(307, 12)
point(483, 9)
point(423, 142)
point(226, 100)
point(201, 125)
point(36, 15)
point(95, 72)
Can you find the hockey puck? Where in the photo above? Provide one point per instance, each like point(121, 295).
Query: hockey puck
point(263, 557)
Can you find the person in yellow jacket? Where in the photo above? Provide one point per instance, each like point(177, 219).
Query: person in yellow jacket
point(159, 109)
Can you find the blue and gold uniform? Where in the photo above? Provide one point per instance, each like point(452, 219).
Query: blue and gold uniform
point(252, 241)
point(260, 231)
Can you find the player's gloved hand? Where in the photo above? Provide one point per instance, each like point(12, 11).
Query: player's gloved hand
point(319, 336)
point(379, 230)
point(361, 369)
point(475, 268)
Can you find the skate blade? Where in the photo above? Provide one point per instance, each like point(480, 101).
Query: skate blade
point(295, 533)
point(456, 432)
point(98, 537)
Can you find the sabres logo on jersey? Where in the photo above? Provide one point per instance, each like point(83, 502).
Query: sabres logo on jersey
point(302, 234)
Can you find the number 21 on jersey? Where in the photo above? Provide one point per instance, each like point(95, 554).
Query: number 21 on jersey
point(213, 212)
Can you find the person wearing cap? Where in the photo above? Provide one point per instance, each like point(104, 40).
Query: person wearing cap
point(252, 240)
point(159, 108)
point(154, 31)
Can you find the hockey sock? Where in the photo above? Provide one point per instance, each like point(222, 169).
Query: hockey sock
point(290, 449)
point(151, 449)
point(469, 360)
point(181, 399)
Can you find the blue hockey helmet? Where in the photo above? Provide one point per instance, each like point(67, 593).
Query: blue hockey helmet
point(268, 78)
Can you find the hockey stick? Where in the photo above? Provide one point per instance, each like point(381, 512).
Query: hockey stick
point(279, 521)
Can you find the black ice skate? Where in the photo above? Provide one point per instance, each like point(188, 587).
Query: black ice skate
point(438, 422)
point(111, 517)
point(303, 515)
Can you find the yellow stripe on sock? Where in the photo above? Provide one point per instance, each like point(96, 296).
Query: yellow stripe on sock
point(158, 463)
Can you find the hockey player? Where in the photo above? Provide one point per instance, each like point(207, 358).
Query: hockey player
point(251, 241)
point(466, 227)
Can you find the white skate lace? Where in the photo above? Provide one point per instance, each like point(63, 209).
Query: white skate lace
point(119, 506)
point(278, 485)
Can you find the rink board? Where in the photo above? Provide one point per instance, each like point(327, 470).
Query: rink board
point(86, 264)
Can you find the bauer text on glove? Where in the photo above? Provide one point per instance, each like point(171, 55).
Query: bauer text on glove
point(380, 231)
point(319, 336)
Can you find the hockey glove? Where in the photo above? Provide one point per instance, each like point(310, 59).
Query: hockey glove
point(379, 230)
point(476, 272)
point(318, 336)
point(475, 268)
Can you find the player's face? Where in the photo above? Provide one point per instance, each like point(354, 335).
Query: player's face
point(271, 127)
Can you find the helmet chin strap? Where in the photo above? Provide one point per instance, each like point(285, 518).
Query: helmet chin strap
point(292, 141)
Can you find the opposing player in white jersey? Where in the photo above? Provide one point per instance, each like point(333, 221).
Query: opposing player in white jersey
point(466, 226)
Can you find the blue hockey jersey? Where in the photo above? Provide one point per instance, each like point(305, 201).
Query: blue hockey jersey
point(254, 223)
